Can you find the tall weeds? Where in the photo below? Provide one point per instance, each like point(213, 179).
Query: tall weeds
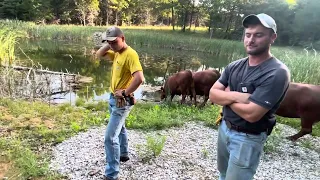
point(7, 42)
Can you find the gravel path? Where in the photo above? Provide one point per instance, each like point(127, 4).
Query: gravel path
point(189, 153)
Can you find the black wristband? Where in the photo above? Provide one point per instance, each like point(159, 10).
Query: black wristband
point(124, 93)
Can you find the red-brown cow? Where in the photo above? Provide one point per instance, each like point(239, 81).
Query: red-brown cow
point(203, 81)
point(301, 101)
point(177, 84)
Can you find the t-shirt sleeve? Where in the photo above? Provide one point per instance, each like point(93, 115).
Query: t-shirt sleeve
point(271, 89)
point(225, 76)
point(134, 63)
point(110, 54)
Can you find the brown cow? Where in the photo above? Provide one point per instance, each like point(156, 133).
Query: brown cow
point(203, 81)
point(177, 84)
point(301, 101)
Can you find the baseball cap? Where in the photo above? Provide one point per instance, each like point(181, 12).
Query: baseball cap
point(112, 33)
point(266, 20)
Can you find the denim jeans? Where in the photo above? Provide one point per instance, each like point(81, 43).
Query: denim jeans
point(116, 139)
point(238, 153)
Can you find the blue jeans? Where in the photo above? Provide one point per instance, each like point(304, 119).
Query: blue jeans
point(116, 139)
point(238, 153)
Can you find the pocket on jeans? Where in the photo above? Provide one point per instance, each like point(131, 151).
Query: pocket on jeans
point(247, 156)
point(255, 138)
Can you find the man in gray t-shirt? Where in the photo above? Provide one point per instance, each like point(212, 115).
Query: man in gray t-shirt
point(250, 91)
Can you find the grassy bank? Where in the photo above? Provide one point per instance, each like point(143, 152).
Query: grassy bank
point(29, 129)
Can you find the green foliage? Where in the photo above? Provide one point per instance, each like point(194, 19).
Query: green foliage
point(35, 125)
point(80, 102)
point(296, 123)
point(148, 116)
point(152, 149)
point(297, 19)
point(307, 144)
point(75, 126)
point(273, 141)
point(26, 160)
point(155, 144)
point(97, 106)
point(8, 39)
point(205, 153)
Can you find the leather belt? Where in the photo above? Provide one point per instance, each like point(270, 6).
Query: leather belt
point(240, 129)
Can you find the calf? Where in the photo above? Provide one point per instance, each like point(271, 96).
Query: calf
point(177, 84)
point(203, 81)
point(301, 101)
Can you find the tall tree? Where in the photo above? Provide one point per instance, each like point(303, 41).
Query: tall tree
point(87, 9)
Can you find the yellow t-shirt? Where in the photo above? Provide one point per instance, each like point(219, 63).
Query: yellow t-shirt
point(124, 65)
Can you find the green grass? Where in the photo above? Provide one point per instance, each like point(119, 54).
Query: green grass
point(35, 124)
point(296, 123)
point(273, 141)
point(8, 38)
point(152, 148)
point(155, 117)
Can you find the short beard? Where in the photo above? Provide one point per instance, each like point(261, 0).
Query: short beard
point(258, 51)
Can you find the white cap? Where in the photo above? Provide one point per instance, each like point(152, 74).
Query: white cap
point(266, 20)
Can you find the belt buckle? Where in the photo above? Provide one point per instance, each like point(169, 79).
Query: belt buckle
point(232, 127)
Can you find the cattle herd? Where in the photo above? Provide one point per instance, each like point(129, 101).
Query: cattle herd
point(301, 101)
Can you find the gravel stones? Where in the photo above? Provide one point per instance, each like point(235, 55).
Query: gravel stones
point(189, 153)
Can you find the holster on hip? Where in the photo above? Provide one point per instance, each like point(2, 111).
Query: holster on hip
point(121, 102)
point(130, 99)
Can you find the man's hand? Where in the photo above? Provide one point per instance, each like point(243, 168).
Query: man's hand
point(118, 93)
point(239, 97)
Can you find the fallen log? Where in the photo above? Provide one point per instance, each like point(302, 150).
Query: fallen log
point(22, 68)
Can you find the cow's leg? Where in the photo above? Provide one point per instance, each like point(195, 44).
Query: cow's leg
point(306, 128)
point(183, 100)
point(206, 97)
point(193, 92)
point(171, 97)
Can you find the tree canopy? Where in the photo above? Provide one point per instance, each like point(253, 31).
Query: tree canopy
point(296, 19)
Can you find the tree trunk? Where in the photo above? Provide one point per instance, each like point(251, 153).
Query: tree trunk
point(107, 19)
point(185, 21)
point(172, 11)
point(84, 18)
point(116, 22)
point(191, 15)
point(148, 18)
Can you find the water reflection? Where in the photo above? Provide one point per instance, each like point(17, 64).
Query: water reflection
point(78, 58)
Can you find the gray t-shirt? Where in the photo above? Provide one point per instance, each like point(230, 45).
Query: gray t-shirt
point(267, 83)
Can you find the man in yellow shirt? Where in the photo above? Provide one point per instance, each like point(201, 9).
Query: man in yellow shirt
point(126, 77)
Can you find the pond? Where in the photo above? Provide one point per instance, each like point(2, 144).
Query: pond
point(77, 57)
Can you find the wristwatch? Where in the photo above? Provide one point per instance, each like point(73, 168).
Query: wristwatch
point(124, 93)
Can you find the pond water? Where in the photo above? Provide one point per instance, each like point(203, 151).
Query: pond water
point(78, 58)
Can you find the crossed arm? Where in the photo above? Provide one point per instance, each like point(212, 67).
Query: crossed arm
point(237, 101)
